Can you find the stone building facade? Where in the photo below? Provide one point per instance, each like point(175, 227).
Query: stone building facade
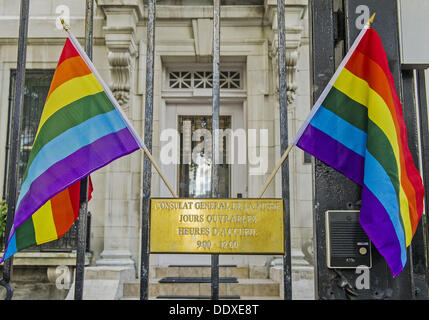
point(249, 100)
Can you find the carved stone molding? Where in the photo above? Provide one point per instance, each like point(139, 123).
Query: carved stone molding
point(294, 31)
point(121, 20)
point(120, 70)
point(291, 86)
point(292, 56)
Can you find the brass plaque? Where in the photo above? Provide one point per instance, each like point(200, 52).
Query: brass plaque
point(217, 226)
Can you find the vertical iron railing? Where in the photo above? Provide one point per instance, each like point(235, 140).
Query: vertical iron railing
point(15, 129)
point(147, 167)
point(215, 137)
point(83, 208)
point(287, 271)
point(424, 143)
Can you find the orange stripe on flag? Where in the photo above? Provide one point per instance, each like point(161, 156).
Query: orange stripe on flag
point(69, 69)
point(372, 47)
point(367, 69)
point(63, 212)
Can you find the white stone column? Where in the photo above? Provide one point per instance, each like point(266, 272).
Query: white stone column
point(122, 179)
point(299, 179)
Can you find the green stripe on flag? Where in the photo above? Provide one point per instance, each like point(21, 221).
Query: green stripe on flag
point(347, 109)
point(381, 149)
point(25, 235)
point(68, 117)
point(377, 143)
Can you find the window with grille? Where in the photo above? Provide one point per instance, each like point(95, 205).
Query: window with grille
point(203, 80)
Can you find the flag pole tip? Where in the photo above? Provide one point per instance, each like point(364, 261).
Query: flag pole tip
point(371, 20)
point(65, 26)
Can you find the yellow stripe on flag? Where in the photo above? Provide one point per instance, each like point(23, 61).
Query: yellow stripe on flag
point(379, 113)
point(68, 92)
point(44, 225)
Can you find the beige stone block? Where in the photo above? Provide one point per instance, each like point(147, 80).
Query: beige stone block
point(257, 83)
point(161, 272)
point(233, 32)
point(9, 8)
point(120, 186)
point(190, 272)
point(173, 272)
point(239, 272)
point(276, 274)
point(304, 57)
point(255, 107)
point(205, 289)
point(303, 214)
point(266, 289)
point(206, 272)
point(257, 63)
point(223, 289)
point(166, 289)
point(186, 289)
point(304, 187)
point(241, 289)
point(118, 213)
point(132, 289)
point(154, 290)
point(136, 161)
point(258, 272)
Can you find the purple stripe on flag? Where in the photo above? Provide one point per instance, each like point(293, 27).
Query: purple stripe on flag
point(333, 153)
point(377, 224)
point(73, 168)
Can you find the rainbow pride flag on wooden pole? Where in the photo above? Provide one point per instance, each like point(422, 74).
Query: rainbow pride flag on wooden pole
point(357, 127)
point(82, 129)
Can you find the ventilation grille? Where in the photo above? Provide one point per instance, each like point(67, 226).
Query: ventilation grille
point(203, 80)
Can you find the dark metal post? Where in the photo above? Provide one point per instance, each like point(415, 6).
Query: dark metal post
point(287, 269)
point(83, 208)
point(215, 140)
point(16, 129)
point(420, 258)
point(147, 167)
point(417, 250)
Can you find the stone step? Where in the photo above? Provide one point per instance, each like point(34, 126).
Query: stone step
point(244, 288)
point(252, 272)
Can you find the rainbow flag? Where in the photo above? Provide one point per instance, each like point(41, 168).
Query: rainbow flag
point(51, 221)
point(82, 129)
point(357, 127)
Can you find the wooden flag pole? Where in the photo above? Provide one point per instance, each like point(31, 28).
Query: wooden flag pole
point(273, 174)
point(155, 165)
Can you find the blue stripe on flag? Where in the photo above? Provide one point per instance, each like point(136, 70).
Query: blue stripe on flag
point(379, 183)
point(340, 130)
point(69, 142)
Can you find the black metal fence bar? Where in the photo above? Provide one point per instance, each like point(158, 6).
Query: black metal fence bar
point(83, 208)
point(287, 271)
point(215, 140)
point(15, 126)
point(147, 169)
